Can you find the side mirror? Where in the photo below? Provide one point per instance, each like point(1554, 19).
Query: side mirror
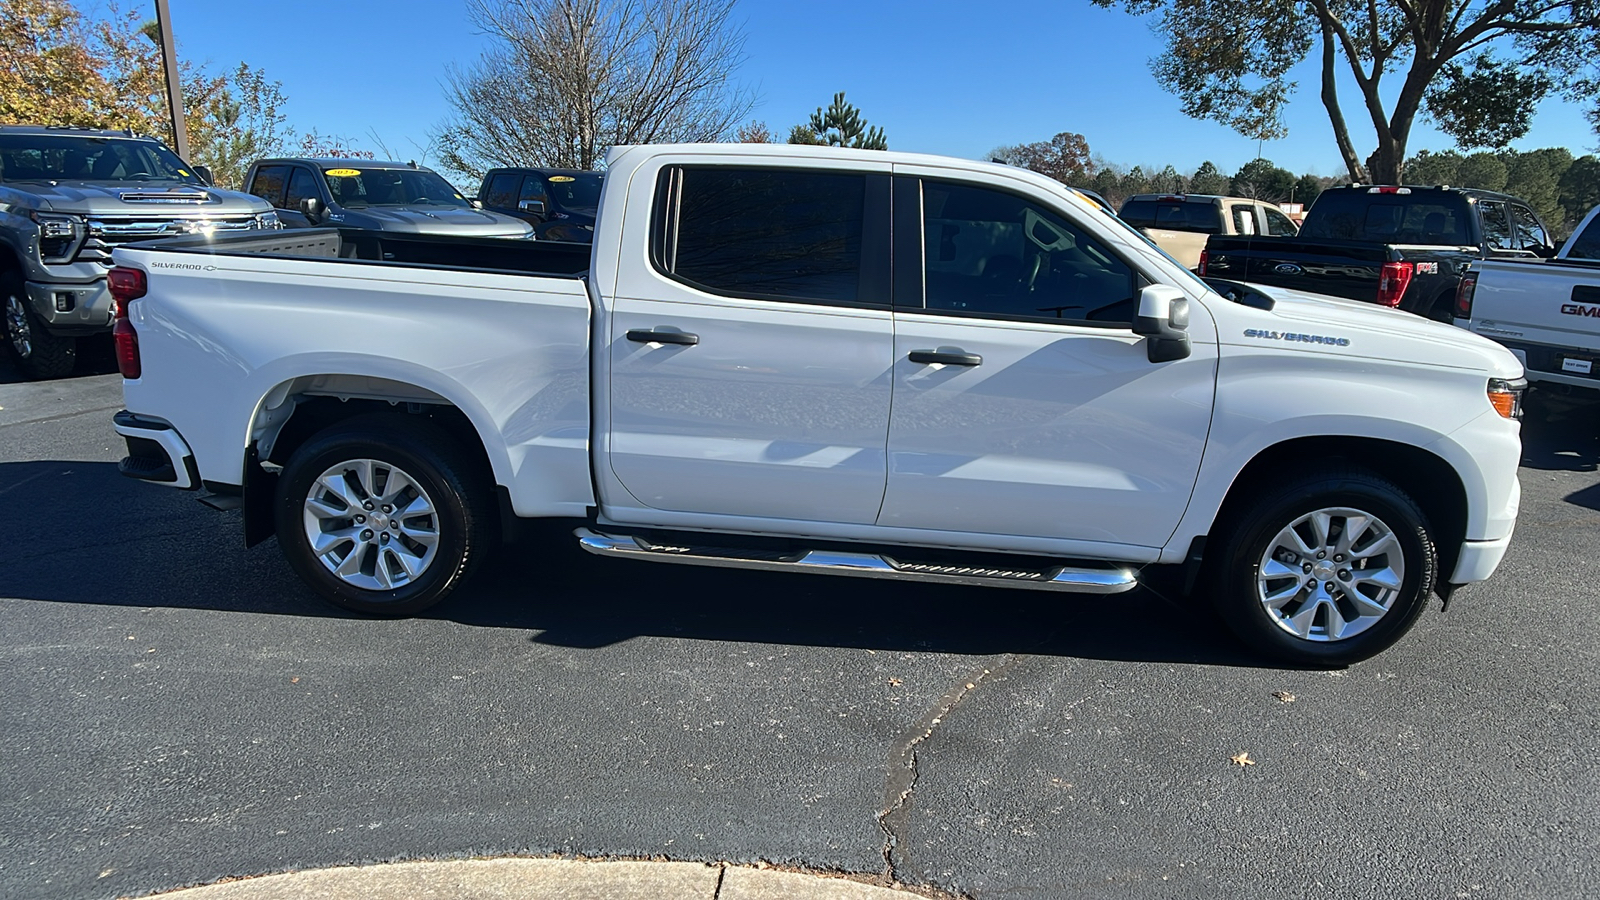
point(1163, 317)
point(314, 210)
point(476, 203)
point(532, 206)
point(205, 174)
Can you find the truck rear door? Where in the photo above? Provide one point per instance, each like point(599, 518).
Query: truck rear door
point(750, 359)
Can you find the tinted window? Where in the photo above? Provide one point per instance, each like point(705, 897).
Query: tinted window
point(576, 191)
point(501, 192)
point(1278, 224)
point(1178, 215)
point(52, 157)
point(993, 253)
point(532, 188)
point(354, 188)
point(268, 184)
point(1587, 244)
point(1530, 234)
point(1496, 226)
point(302, 185)
point(1348, 215)
point(773, 234)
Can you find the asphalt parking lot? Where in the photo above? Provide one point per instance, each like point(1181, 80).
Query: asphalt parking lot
point(178, 709)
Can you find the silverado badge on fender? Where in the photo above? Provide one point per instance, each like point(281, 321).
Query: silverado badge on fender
point(1291, 336)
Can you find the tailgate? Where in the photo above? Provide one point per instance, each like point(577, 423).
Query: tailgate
point(1548, 313)
point(1336, 268)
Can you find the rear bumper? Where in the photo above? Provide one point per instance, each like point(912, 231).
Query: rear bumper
point(156, 452)
point(1478, 560)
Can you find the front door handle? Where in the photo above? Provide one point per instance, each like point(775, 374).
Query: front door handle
point(952, 356)
point(652, 336)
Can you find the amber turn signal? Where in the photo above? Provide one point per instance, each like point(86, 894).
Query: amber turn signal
point(1506, 396)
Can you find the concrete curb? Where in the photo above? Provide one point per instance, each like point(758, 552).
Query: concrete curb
point(542, 879)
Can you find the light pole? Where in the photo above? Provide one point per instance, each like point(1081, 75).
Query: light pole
point(169, 64)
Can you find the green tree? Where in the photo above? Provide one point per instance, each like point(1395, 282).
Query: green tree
point(1484, 171)
point(49, 73)
point(1580, 189)
point(840, 125)
point(1208, 179)
point(1135, 182)
point(1168, 179)
point(1064, 157)
point(1230, 61)
point(1261, 180)
point(1434, 168)
point(1306, 190)
point(1535, 176)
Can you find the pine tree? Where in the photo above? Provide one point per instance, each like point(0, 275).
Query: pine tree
point(840, 125)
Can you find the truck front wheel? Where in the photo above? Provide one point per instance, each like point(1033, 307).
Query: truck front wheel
point(40, 353)
point(1326, 570)
point(383, 515)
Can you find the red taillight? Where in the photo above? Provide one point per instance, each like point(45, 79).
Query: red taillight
point(1464, 292)
point(1205, 257)
point(1393, 281)
point(127, 285)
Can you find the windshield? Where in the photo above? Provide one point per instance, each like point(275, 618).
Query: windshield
point(575, 191)
point(354, 188)
point(71, 157)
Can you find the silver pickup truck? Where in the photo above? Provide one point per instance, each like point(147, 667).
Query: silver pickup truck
point(1547, 312)
point(68, 196)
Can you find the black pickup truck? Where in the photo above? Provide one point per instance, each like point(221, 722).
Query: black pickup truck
point(1404, 247)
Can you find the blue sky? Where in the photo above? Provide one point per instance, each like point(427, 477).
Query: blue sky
point(940, 76)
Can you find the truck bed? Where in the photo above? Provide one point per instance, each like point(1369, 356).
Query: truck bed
point(546, 258)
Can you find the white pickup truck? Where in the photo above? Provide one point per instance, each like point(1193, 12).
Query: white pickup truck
point(1546, 311)
point(825, 361)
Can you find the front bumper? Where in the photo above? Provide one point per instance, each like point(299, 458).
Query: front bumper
point(72, 308)
point(156, 452)
point(1478, 560)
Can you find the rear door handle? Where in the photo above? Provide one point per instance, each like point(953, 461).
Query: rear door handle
point(652, 336)
point(953, 356)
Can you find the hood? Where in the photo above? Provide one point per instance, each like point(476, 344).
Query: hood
point(156, 198)
point(1315, 323)
point(457, 220)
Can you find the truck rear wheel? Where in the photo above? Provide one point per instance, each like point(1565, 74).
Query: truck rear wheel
point(41, 354)
point(1326, 570)
point(383, 515)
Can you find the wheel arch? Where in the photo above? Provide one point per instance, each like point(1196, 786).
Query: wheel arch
point(1430, 480)
point(295, 409)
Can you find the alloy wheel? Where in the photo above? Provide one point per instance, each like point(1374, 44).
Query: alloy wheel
point(1331, 574)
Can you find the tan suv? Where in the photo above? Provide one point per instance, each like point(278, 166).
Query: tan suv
point(1180, 223)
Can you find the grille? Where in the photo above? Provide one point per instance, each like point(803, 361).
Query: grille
point(107, 234)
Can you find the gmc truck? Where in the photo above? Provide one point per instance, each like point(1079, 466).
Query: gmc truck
point(68, 197)
point(1400, 247)
point(826, 361)
point(1547, 312)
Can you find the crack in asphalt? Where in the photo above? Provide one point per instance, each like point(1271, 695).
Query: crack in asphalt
point(901, 780)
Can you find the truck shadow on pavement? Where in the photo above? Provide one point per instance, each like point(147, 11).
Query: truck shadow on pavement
point(111, 541)
point(1561, 433)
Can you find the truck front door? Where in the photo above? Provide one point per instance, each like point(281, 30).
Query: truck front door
point(1024, 404)
point(750, 360)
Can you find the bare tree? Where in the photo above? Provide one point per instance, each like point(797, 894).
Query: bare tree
point(568, 79)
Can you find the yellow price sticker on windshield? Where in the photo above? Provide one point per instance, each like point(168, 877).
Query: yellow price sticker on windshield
point(343, 173)
point(558, 179)
point(184, 173)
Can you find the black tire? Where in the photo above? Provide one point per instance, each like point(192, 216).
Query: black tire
point(465, 516)
point(40, 354)
point(1237, 589)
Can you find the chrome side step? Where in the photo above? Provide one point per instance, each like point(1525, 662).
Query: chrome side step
point(866, 565)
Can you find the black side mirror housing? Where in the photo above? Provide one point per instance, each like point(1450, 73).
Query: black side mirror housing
point(314, 210)
point(536, 207)
point(1163, 317)
point(205, 175)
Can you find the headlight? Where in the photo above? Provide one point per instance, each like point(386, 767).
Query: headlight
point(58, 236)
point(268, 219)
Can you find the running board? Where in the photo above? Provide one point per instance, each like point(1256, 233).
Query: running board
point(864, 565)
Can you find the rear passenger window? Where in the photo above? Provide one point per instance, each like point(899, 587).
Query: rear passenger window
point(1587, 244)
point(1278, 224)
point(1244, 221)
point(268, 184)
point(991, 253)
point(767, 234)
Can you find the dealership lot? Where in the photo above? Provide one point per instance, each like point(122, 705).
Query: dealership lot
point(181, 709)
